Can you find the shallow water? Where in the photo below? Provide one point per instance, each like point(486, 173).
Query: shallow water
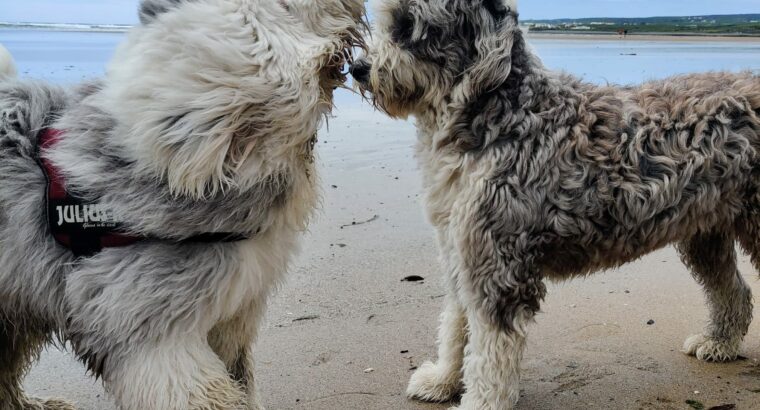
point(68, 57)
point(64, 57)
point(631, 61)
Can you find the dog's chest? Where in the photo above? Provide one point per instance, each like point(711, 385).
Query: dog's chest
point(444, 180)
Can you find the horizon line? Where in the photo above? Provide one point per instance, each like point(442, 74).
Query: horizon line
point(526, 19)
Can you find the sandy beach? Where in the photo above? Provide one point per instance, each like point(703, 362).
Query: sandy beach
point(345, 331)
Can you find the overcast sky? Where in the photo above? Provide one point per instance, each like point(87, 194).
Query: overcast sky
point(124, 11)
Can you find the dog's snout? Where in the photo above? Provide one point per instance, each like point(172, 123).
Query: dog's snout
point(360, 70)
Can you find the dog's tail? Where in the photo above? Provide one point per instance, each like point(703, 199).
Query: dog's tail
point(7, 66)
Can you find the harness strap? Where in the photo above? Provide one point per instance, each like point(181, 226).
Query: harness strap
point(87, 228)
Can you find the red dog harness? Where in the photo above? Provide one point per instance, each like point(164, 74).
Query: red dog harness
point(87, 227)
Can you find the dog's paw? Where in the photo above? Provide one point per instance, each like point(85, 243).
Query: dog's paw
point(48, 404)
point(431, 383)
point(55, 404)
point(490, 406)
point(710, 350)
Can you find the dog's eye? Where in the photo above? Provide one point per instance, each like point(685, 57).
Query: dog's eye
point(496, 8)
point(403, 26)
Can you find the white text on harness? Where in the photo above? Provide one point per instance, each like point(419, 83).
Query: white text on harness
point(93, 215)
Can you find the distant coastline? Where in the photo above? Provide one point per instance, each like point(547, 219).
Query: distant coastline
point(677, 37)
point(97, 28)
point(733, 25)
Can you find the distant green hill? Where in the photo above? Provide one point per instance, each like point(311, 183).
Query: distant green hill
point(747, 24)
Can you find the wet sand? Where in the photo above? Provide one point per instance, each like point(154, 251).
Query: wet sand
point(345, 332)
point(645, 37)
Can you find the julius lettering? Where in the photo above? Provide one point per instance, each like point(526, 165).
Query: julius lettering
point(94, 215)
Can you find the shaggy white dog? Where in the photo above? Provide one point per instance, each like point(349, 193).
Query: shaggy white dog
point(189, 176)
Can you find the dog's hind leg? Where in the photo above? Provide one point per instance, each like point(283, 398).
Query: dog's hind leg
point(180, 373)
point(441, 381)
point(232, 341)
point(712, 260)
point(19, 347)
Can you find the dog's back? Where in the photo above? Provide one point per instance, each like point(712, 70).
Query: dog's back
point(25, 109)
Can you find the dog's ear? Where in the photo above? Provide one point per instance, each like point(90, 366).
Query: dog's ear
point(494, 61)
point(151, 9)
point(492, 85)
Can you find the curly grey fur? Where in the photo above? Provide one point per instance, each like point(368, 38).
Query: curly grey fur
point(533, 174)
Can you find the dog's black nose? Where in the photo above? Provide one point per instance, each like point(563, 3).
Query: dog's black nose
point(360, 71)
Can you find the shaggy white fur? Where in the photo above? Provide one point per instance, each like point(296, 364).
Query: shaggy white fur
point(227, 60)
point(204, 123)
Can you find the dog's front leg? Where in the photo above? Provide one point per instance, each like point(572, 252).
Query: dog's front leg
point(441, 381)
point(491, 364)
point(501, 291)
point(232, 341)
point(177, 373)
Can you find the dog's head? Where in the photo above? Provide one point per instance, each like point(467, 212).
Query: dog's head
point(213, 94)
point(424, 52)
point(346, 18)
point(342, 20)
